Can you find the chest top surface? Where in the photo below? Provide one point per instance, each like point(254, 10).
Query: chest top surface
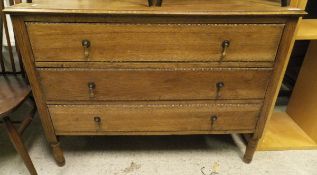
point(169, 7)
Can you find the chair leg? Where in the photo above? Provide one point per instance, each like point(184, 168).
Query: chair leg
point(19, 146)
point(28, 119)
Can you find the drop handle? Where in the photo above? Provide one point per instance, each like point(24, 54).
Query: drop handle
point(219, 86)
point(97, 120)
point(213, 120)
point(91, 89)
point(86, 45)
point(225, 45)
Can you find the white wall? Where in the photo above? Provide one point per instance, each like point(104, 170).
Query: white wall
point(6, 3)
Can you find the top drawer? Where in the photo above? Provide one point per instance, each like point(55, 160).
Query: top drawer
point(154, 42)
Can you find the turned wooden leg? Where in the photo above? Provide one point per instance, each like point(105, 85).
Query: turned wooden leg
point(58, 154)
point(249, 152)
point(19, 146)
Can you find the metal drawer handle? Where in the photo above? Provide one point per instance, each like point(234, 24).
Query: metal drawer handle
point(219, 86)
point(86, 44)
point(91, 87)
point(225, 45)
point(213, 119)
point(97, 120)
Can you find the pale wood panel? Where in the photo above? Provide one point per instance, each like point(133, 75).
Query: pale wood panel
point(283, 57)
point(193, 7)
point(283, 133)
point(307, 29)
point(270, 140)
point(302, 106)
point(154, 118)
point(154, 84)
point(299, 3)
point(154, 42)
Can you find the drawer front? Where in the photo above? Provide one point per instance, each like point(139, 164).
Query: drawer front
point(154, 84)
point(154, 42)
point(147, 117)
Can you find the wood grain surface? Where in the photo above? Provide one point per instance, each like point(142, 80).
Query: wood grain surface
point(154, 42)
point(154, 118)
point(154, 84)
point(149, 56)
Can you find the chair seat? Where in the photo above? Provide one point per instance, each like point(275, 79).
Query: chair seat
point(13, 91)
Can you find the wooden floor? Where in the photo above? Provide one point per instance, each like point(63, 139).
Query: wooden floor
point(284, 134)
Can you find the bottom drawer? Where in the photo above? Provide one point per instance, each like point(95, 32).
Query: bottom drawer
point(92, 119)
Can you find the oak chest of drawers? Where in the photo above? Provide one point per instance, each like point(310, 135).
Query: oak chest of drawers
point(197, 67)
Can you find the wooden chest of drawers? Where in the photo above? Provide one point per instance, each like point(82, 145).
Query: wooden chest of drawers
point(130, 69)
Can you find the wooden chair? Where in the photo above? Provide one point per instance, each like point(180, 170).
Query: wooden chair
point(14, 90)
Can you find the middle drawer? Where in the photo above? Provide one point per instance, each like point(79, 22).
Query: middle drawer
point(61, 84)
